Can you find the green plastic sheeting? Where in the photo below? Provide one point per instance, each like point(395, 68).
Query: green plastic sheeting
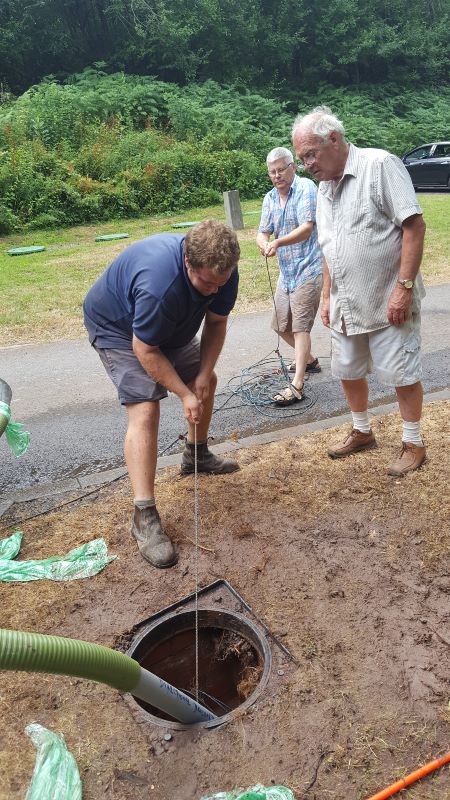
point(184, 224)
point(11, 546)
point(55, 775)
point(18, 440)
point(82, 562)
point(23, 251)
point(257, 792)
point(108, 237)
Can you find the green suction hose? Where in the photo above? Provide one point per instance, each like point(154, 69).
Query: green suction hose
point(37, 652)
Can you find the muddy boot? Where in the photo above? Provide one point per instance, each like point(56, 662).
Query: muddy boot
point(206, 461)
point(154, 545)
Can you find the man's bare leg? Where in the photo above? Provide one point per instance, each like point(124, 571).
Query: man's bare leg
point(141, 447)
point(302, 341)
point(357, 394)
point(290, 340)
point(410, 401)
point(141, 453)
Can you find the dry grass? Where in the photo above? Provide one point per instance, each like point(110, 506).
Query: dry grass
point(288, 480)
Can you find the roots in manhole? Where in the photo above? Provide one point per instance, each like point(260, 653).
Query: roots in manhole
point(230, 666)
point(230, 645)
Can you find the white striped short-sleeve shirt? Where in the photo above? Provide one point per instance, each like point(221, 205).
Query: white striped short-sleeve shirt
point(359, 226)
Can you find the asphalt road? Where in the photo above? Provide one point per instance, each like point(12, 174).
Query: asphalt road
point(66, 401)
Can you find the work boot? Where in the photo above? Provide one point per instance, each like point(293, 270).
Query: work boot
point(154, 545)
point(206, 461)
point(353, 443)
point(411, 457)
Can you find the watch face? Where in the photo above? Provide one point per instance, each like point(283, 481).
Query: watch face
point(408, 284)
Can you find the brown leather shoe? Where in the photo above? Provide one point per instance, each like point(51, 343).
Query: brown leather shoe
point(206, 461)
point(353, 443)
point(411, 457)
point(154, 544)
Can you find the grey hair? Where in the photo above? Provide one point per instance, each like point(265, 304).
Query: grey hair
point(279, 152)
point(320, 121)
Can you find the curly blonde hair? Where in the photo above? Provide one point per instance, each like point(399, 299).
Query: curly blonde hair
point(212, 244)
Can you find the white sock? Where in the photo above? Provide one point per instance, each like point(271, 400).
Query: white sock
point(411, 433)
point(361, 421)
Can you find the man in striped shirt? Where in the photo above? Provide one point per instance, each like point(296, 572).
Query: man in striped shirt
point(289, 213)
point(371, 232)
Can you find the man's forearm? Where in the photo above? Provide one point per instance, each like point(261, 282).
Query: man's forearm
point(159, 368)
point(212, 341)
point(299, 234)
point(413, 233)
point(262, 238)
point(326, 280)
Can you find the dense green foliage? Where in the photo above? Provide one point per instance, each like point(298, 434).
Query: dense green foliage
point(260, 43)
point(104, 146)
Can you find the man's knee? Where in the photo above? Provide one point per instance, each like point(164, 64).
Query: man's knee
point(410, 390)
point(143, 414)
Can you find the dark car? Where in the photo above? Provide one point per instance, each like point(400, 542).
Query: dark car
point(429, 165)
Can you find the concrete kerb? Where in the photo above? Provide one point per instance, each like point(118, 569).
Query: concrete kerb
point(100, 479)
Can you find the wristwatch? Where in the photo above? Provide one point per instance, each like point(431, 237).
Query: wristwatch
point(407, 283)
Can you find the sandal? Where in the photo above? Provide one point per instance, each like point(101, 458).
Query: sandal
point(313, 366)
point(288, 396)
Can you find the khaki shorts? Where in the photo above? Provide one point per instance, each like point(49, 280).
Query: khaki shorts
point(133, 383)
point(392, 353)
point(295, 311)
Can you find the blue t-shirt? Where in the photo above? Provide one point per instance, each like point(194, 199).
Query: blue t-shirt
point(147, 291)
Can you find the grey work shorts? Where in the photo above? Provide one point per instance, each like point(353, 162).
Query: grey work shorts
point(296, 311)
point(392, 353)
point(134, 384)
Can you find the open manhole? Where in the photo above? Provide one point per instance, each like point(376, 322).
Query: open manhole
point(234, 661)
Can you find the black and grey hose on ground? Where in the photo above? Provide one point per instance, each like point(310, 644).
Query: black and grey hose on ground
point(36, 652)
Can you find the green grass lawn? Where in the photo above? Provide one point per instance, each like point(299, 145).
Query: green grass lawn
point(41, 294)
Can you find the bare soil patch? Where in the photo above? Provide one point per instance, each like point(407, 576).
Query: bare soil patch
point(349, 567)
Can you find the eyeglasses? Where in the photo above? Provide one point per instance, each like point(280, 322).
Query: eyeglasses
point(308, 158)
point(274, 173)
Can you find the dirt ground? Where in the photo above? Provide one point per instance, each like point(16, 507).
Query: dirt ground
point(348, 566)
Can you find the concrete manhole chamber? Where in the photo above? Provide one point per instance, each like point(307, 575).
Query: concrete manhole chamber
point(234, 661)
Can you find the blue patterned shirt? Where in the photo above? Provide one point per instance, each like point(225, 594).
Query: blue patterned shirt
point(299, 262)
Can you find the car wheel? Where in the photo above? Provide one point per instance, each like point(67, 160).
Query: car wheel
point(448, 183)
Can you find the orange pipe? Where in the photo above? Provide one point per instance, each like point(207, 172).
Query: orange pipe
point(412, 778)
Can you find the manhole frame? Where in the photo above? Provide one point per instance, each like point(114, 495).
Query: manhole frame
point(258, 640)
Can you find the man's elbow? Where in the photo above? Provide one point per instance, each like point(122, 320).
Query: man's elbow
point(416, 226)
point(141, 349)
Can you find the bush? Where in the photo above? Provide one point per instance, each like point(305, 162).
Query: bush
point(9, 222)
point(102, 146)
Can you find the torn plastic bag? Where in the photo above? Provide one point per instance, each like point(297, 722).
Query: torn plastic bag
point(257, 792)
point(82, 562)
point(18, 439)
point(55, 775)
point(11, 546)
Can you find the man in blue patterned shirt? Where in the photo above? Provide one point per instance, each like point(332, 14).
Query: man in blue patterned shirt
point(289, 213)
